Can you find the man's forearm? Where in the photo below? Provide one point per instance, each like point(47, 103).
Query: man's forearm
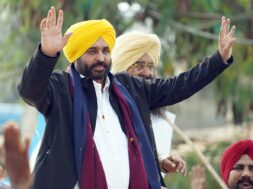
point(35, 78)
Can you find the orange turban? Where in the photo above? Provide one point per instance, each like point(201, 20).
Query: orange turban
point(232, 154)
point(85, 34)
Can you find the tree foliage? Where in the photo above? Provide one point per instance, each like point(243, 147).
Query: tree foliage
point(213, 152)
point(188, 30)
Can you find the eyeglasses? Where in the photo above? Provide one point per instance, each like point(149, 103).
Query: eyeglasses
point(140, 67)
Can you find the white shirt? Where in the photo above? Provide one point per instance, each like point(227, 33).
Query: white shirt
point(111, 142)
point(163, 134)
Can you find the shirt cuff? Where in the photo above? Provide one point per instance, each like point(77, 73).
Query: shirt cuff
point(162, 157)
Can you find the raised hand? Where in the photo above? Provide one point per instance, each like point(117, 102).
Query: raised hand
point(16, 157)
point(52, 40)
point(226, 39)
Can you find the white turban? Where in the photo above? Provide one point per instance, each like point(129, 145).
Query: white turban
point(130, 47)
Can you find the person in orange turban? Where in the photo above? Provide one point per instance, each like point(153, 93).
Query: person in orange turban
point(237, 165)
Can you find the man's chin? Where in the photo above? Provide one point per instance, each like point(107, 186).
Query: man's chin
point(98, 76)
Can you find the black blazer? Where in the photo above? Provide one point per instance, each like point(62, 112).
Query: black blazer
point(49, 92)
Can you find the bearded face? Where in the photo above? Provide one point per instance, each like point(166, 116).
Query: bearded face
point(241, 176)
point(95, 63)
point(96, 71)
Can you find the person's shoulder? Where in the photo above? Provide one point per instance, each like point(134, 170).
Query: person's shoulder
point(134, 81)
point(60, 76)
point(60, 73)
point(125, 76)
point(122, 75)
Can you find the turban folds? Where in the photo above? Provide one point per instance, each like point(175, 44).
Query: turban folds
point(130, 47)
point(232, 154)
point(85, 34)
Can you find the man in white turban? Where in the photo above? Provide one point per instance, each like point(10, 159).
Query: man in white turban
point(130, 47)
point(139, 54)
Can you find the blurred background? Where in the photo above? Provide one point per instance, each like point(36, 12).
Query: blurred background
point(188, 29)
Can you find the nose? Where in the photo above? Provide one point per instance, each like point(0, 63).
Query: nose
point(100, 56)
point(246, 172)
point(147, 73)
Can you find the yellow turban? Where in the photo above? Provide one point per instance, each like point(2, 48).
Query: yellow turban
point(130, 47)
point(85, 34)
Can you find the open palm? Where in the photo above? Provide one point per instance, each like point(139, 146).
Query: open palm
point(226, 39)
point(52, 40)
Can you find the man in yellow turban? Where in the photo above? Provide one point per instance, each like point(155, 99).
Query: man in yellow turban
point(87, 33)
point(98, 132)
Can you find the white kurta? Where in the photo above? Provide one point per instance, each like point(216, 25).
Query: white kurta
point(163, 134)
point(111, 141)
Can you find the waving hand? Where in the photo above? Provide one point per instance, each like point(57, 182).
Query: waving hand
point(52, 40)
point(226, 39)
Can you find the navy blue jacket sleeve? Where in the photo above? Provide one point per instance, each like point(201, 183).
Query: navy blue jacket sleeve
point(168, 91)
point(37, 81)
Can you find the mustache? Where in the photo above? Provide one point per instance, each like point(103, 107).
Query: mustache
point(245, 179)
point(98, 63)
point(146, 77)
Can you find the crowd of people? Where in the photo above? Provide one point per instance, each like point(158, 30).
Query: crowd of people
point(105, 115)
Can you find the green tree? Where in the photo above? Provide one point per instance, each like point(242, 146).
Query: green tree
point(188, 30)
